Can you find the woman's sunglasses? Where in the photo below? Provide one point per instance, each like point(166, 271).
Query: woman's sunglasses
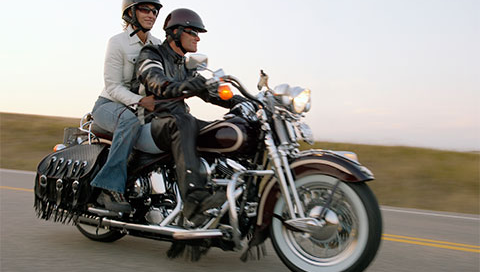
point(146, 10)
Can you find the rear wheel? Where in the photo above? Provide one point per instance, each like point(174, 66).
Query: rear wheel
point(99, 234)
point(350, 245)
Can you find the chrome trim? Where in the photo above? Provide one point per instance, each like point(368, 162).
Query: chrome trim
point(158, 183)
point(277, 165)
point(349, 155)
point(323, 229)
point(206, 166)
point(232, 195)
point(176, 233)
point(235, 165)
point(291, 131)
point(197, 234)
point(75, 186)
point(267, 185)
point(305, 132)
point(233, 209)
point(320, 152)
point(177, 210)
point(225, 207)
point(43, 181)
point(291, 182)
point(280, 129)
point(221, 182)
point(87, 121)
point(59, 184)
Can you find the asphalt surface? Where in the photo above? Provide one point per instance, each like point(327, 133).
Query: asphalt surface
point(414, 240)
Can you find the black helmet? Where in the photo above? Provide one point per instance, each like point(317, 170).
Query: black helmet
point(131, 4)
point(181, 19)
point(184, 17)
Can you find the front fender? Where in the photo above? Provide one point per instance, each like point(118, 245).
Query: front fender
point(311, 161)
point(331, 163)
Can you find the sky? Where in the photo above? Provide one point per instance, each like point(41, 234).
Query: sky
point(387, 72)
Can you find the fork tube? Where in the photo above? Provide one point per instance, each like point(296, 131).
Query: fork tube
point(291, 182)
point(277, 164)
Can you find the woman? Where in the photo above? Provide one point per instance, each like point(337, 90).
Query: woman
point(110, 111)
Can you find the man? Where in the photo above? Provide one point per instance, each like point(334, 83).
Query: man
point(161, 71)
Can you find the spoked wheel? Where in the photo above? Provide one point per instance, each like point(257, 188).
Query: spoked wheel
point(100, 234)
point(351, 237)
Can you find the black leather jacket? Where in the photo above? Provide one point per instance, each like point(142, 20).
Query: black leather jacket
point(159, 66)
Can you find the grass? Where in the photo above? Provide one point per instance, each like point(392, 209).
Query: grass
point(405, 176)
point(26, 139)
point(420, 178)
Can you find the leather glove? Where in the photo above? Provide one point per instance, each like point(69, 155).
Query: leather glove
point(188, 87)
point(193, 86)
point(172, 90)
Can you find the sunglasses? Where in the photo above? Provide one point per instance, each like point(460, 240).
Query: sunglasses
point(191, 32)
point(146, 10)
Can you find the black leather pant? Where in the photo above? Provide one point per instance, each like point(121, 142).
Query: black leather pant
point(177, 133)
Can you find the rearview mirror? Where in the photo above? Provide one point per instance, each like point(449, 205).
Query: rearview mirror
point(197, 61)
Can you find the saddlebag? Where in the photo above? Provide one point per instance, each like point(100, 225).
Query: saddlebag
point(62, 184)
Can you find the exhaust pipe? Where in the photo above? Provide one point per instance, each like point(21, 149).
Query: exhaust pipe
point(176, 233)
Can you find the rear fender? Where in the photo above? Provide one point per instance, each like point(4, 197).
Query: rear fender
point(324, 162)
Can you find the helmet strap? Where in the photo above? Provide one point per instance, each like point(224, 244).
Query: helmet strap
point(176, 37)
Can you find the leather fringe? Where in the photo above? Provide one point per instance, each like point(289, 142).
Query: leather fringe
point(49, 211)
point(254, 253)
point(191, 253)
point(256, 245)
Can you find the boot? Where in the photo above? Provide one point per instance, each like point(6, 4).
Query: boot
point(200, 201)
point(114, 201)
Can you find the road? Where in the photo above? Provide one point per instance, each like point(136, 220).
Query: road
point(414, 240)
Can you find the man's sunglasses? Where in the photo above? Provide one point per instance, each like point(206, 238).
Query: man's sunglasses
point(146, 10)
point(191, 32)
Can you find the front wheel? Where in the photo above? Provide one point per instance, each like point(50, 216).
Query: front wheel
point(352, 243)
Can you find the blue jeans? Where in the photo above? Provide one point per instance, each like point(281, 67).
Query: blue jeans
point(126, 129)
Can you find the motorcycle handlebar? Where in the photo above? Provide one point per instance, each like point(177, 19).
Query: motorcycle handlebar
point(237, 84)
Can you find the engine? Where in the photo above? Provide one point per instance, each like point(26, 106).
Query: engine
point(157, 193)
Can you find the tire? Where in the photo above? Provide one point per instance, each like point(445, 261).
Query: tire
point(353, 243)
point(103, 235)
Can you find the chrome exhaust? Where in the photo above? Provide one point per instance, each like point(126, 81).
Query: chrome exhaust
point(176, 233)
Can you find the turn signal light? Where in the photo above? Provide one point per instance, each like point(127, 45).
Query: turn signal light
point(58, 147)
point(225, 92)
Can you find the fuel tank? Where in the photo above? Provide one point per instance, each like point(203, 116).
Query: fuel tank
point(231, 136)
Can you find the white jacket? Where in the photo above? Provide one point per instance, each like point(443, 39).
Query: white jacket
point(120, 58)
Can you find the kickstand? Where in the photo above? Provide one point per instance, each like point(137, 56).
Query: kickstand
point(98, 226)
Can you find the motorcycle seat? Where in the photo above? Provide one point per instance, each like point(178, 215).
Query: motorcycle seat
point(100, 132)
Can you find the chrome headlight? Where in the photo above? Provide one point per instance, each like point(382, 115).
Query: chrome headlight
point(296, 99)
point(301, 102)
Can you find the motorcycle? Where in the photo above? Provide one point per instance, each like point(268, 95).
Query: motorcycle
point(314, 205)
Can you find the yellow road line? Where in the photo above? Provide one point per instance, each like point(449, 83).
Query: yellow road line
point(432, 245)
point(386, 237)
point(393, 236)
point(16, 189)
